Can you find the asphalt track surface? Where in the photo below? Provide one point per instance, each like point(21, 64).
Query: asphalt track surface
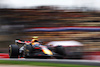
point(63, 61)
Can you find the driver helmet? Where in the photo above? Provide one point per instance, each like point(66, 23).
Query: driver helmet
point(35, 37)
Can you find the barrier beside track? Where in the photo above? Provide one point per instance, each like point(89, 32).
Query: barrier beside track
point(4, 55)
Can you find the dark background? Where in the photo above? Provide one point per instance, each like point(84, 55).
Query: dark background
point(13, 22)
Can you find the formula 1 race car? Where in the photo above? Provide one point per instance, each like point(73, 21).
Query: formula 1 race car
point(27, 50)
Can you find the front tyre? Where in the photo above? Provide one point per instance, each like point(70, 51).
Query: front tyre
point(60, 50)
point(13, 51)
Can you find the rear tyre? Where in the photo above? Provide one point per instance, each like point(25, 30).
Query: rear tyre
point(27, 51)
point(13, 51)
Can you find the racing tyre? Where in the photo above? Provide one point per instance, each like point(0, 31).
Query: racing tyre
point(13, 51)
point(60, 50)
point(28, 51)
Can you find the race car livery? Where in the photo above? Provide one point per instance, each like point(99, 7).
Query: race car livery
point(28, 50)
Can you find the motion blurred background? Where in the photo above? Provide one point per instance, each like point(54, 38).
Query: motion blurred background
point(18, 15)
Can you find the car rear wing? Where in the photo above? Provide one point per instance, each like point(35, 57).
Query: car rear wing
point(18, 41)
